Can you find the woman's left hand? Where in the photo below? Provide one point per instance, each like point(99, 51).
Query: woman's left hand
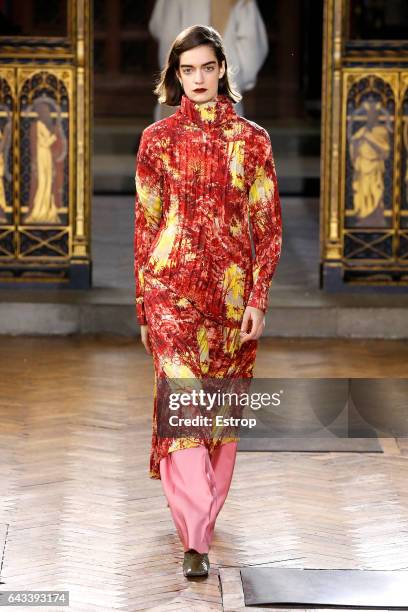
point(257, 319)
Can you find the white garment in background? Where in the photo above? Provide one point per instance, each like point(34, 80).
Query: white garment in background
point(245, 37)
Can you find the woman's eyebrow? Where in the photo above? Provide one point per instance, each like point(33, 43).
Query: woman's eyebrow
point(191, 66)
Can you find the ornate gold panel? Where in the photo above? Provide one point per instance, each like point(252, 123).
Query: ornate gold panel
point(44, 153)
point(45, 180)
point(7, 110)
point(364, 221)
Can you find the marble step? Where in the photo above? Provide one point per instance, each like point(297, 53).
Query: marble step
point(292, 313)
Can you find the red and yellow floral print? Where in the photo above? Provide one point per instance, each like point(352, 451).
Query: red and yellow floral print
point(188, 345)
point(205, 178)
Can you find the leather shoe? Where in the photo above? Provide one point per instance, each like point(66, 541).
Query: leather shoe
point(195, 563)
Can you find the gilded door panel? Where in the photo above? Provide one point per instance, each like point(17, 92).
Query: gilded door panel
point(404, 153)
point(368, 169)
point(370, 134)
point(403, 216)
point(7, 106)
point(44, 98)
point(45, 145)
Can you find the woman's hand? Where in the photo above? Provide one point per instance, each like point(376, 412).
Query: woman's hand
point(144, 331)
point(256, 317)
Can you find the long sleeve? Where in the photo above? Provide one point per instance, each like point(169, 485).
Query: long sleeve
point(148, 213)
point(251, 43)
point(266, 225)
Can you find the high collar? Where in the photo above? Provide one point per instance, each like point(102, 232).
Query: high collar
point(208, 114)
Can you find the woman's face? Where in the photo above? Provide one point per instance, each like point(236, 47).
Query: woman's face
point(199, 70)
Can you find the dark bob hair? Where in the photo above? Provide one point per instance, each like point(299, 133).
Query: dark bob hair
point(169, 89)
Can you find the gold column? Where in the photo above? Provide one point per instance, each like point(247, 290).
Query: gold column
point(84, 179)
point(330, 239)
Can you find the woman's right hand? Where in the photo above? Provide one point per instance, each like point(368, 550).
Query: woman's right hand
point(144, 331)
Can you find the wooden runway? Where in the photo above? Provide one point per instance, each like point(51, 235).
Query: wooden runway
point(79, 512)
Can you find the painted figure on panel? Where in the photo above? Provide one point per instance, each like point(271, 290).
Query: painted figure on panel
point(48, 151)
point(5, 136)
point(369, 148)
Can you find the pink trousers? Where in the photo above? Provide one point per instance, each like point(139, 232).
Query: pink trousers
point(196, 488)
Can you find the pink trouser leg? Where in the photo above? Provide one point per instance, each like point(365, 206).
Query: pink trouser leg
point(196, 488)
point(223, 462)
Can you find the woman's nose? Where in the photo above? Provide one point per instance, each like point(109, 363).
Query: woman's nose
point(198, 77)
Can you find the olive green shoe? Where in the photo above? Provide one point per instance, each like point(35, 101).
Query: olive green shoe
point(195, 563)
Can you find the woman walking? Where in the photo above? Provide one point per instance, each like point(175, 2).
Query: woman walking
point(205, 177)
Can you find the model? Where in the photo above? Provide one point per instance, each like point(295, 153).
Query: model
point(205, 178)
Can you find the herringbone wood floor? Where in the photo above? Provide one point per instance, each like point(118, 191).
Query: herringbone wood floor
point(78, 511)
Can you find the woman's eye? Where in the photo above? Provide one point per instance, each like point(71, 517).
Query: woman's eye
point(208, 69)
